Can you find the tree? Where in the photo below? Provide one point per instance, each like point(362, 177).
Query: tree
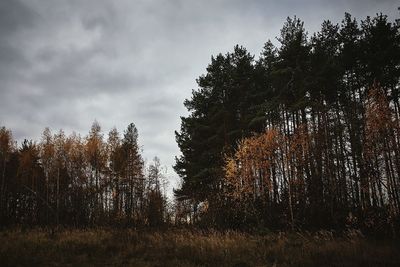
point(7, 147)
point(221, 114)
point(133, 182)
point(95, 154)
point(337, 150)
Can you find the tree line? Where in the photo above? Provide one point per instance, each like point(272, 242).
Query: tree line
point(80, 181)
point(305, 136)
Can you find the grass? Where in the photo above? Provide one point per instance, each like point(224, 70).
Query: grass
point(101, 247)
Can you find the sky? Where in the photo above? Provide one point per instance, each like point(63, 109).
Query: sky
point(64, 64)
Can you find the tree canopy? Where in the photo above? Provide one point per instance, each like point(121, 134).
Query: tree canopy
point(306, 135)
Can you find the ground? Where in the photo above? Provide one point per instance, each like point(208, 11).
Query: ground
point(128, 247)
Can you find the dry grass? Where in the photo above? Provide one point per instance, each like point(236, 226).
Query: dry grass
point(189, 248)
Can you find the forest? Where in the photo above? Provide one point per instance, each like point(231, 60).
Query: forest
point(80, 181)
point(304, 137)
point(289, 158)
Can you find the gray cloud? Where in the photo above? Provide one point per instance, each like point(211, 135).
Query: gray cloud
point(66, 63)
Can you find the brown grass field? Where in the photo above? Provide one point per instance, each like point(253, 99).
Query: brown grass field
point(102, 247)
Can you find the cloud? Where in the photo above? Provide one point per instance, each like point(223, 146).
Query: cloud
point(64, 64)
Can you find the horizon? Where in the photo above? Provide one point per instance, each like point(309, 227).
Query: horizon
point(66, 65)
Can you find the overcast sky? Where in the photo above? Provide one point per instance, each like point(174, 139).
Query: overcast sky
point(64, 64)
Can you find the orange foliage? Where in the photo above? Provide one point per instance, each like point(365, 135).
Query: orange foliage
point(248, 171)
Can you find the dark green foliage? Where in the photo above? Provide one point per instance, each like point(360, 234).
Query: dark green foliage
point(320, 84)
point(155, 209)
point(219, 117)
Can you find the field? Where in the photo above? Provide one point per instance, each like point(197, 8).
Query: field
point(102, 247)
